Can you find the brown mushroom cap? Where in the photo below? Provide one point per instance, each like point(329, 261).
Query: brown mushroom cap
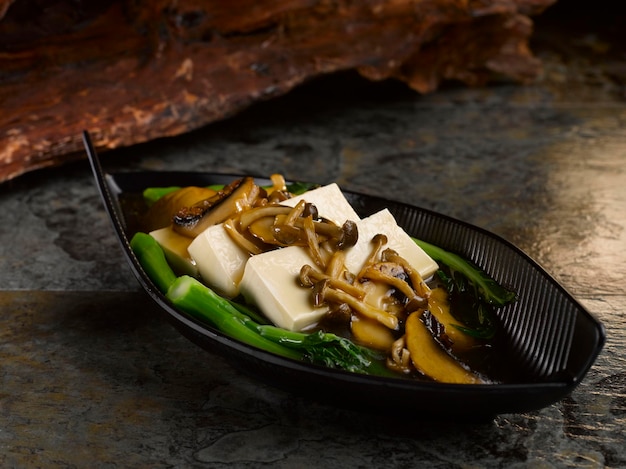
point(234, 198)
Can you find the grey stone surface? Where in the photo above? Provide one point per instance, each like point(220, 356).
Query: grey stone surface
point(93, 375)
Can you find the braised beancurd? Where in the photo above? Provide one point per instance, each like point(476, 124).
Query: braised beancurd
point(310, 270)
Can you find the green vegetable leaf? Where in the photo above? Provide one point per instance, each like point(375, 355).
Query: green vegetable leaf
point(323, 348)
point(298, 188)
point(486, 287)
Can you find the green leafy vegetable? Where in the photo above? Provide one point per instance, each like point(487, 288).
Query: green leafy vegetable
point(328, 349)
point(473, 294)
point(297, 188)
point(486, 287)
point(476, 315)
point(236, 320)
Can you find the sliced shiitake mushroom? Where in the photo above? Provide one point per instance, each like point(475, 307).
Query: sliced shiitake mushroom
point(371, 333)
point(439, 306)
point(161, 212)
point(234, 198)
point(430, 358)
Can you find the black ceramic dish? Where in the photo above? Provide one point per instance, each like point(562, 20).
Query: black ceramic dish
point(548, 340)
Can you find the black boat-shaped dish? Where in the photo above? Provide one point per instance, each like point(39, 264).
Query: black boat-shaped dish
point(549, 341)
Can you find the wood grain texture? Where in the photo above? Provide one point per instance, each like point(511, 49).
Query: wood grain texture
point(133, 71)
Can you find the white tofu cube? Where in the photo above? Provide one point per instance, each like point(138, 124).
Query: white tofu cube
point(270, 281)
point(220, 261)
point(397, 239)
point(330, 203)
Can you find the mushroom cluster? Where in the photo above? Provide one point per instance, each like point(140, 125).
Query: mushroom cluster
point(374, 302)
point(273, 225)
point(388, 306)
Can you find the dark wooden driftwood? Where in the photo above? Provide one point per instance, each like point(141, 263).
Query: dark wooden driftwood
point(134, 70)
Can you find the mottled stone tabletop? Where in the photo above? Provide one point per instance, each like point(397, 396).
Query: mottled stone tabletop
point(93, 375)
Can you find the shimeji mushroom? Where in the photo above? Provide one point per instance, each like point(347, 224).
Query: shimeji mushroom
point(238, 237)
point(249, 217)
point(399, 358)
point(395, 276)
point(417, 282)
point(282, 226)
point(309, 277)
point(323, 293)
point(378, 242)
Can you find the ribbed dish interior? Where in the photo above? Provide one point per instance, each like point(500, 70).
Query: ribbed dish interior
point(539, 328)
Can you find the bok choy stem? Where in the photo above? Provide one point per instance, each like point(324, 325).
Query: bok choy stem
point(151, 257)
point(204, 304)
